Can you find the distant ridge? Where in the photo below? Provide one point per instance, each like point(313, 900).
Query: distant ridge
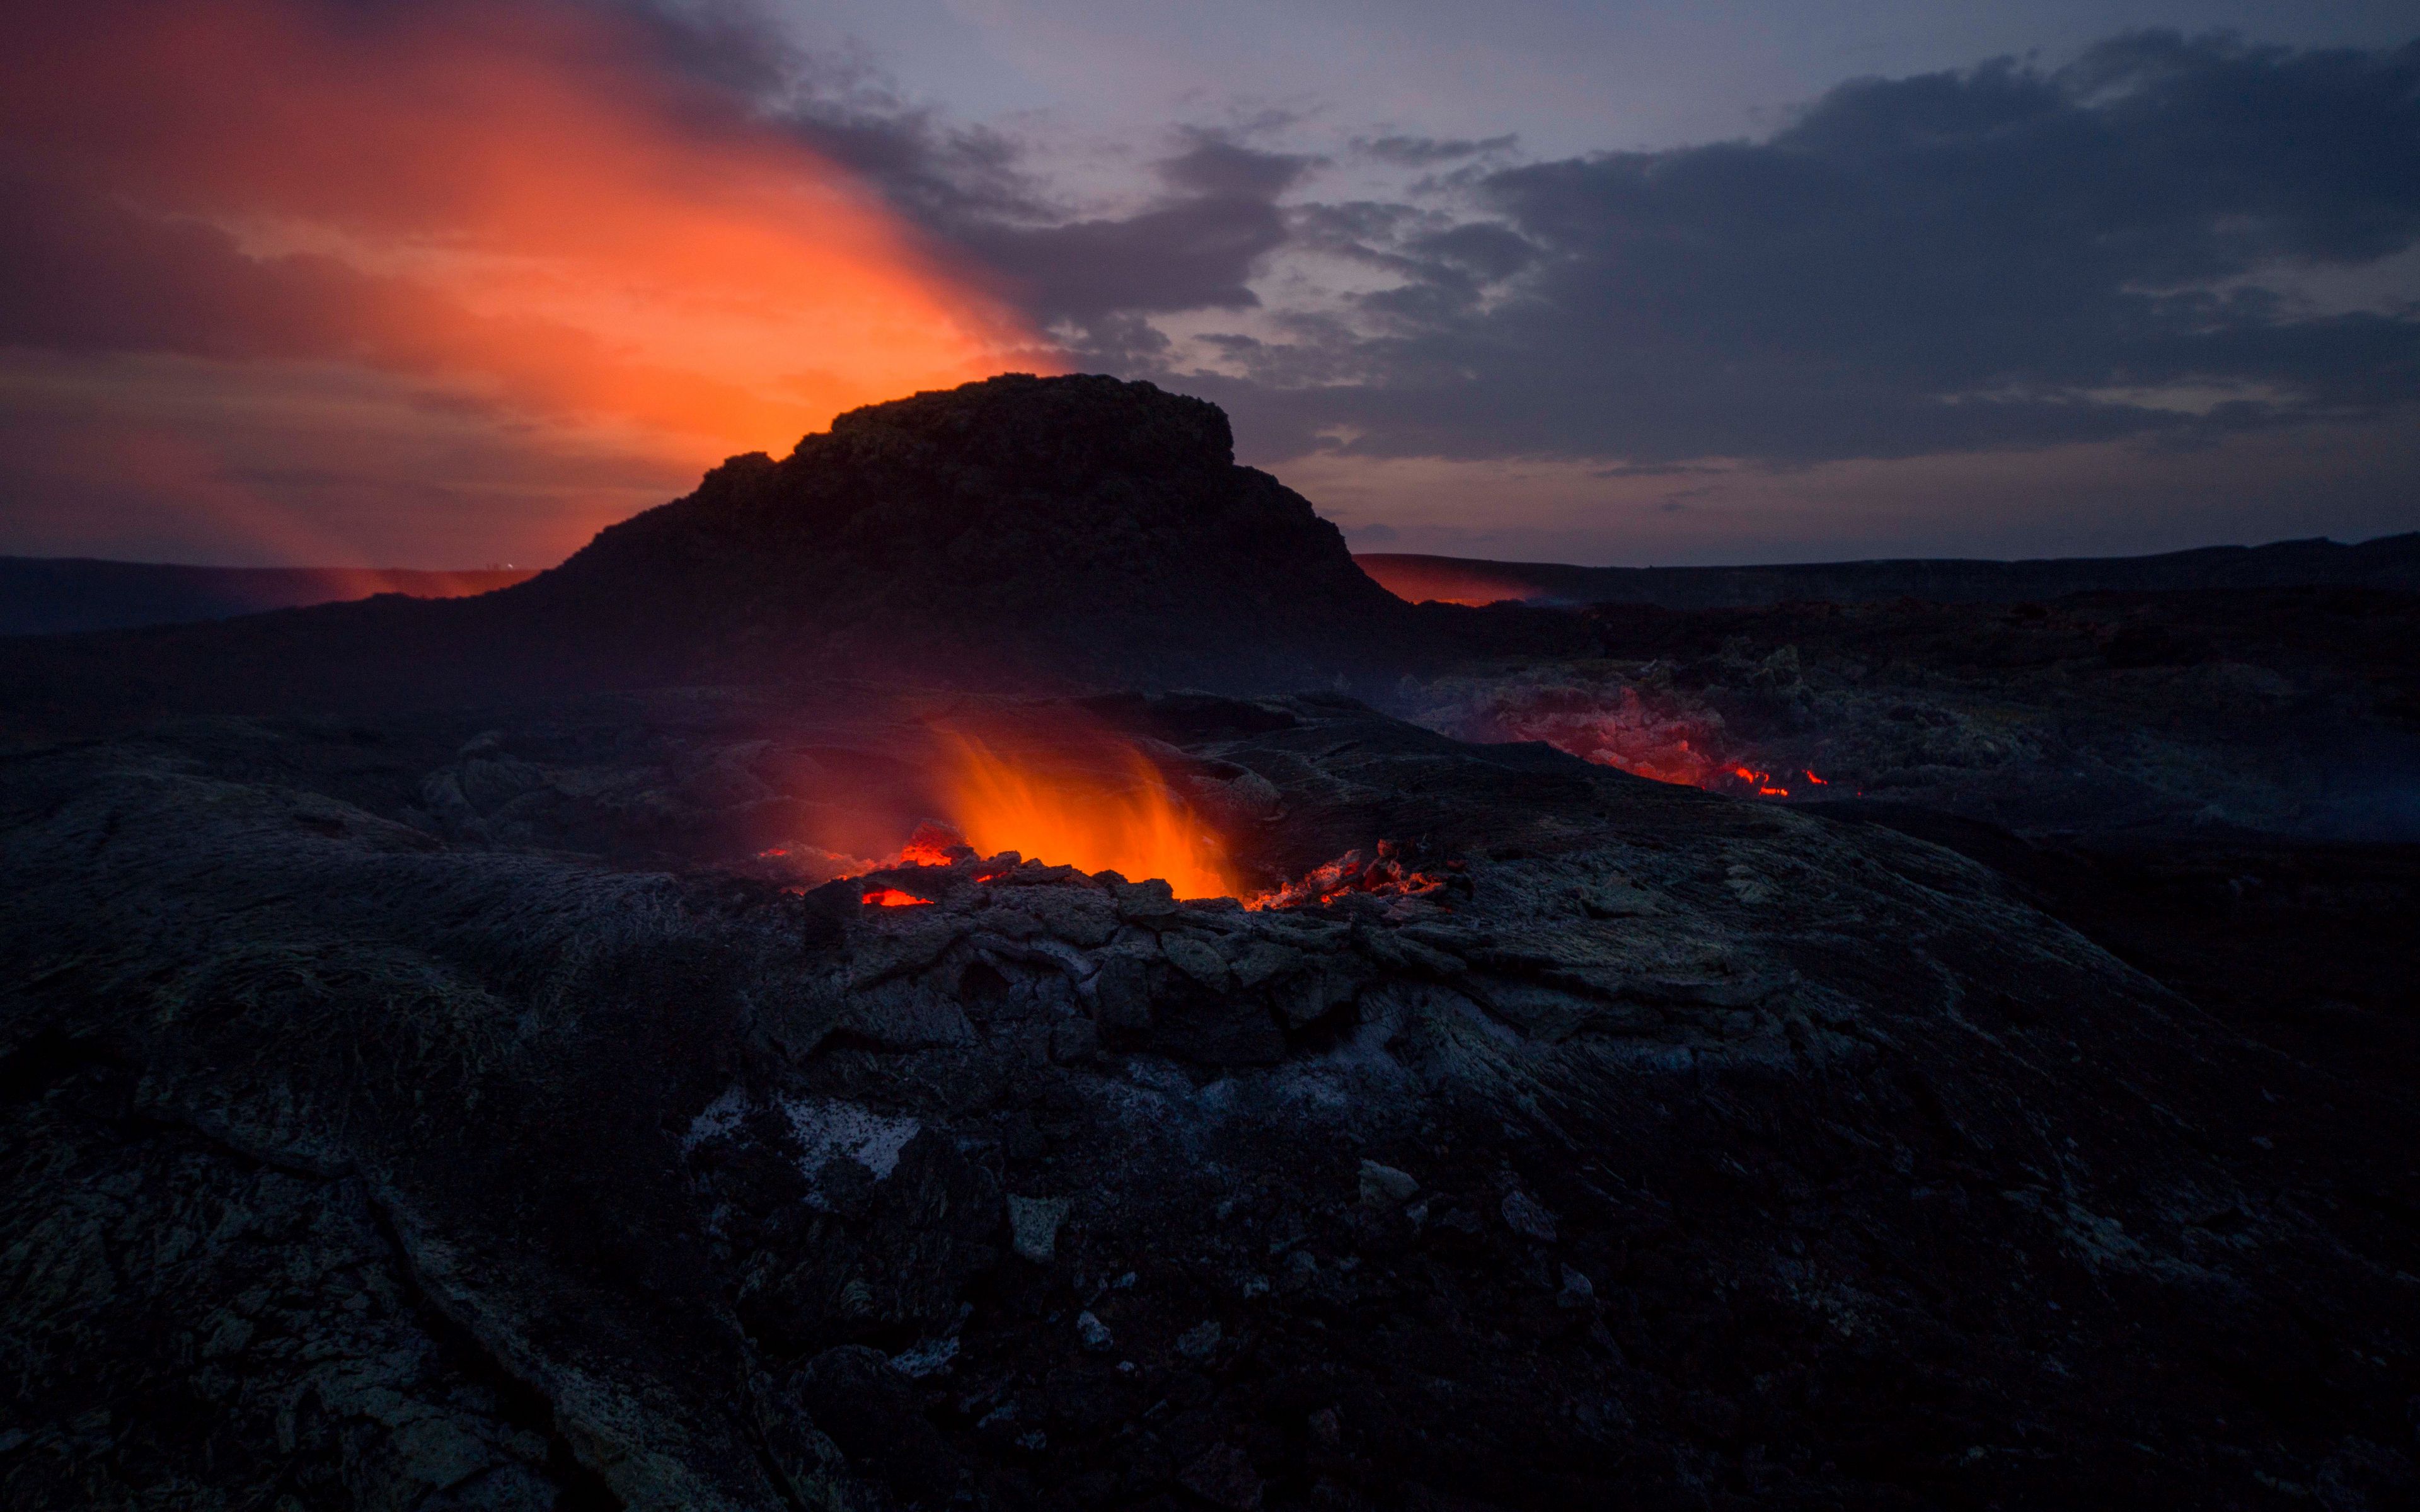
point(1021, 532)
point(2388, 561)
point(57, 595)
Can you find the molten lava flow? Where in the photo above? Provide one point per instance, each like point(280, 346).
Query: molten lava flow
point(1418, 579)
point(1761, 781)
point(1658, 732)
point(1758, 781)
point(1383, 876)
point(1627, 732)
point(1116, 815)
point(932, 845)
point(1128, 823)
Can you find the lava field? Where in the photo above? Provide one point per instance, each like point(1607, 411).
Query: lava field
point(699, 1031)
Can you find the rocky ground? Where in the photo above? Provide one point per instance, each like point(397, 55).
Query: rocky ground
point(2274, 711)
point(2387, 562)
point(454, 1112)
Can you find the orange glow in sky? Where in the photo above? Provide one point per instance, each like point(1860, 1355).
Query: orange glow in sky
point(514, 208)
point(1417, 580)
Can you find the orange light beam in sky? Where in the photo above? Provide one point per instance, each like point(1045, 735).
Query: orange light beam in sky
point(530, 211)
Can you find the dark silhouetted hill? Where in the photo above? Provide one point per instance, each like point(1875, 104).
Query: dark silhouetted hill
point(1036, 531)
point(2388, 561)
point(62, 595)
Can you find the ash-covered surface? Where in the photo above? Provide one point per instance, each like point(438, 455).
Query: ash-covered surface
point(1703, 1153)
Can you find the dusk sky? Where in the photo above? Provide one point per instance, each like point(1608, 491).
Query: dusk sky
point(366, 282)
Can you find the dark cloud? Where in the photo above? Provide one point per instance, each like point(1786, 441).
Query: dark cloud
point(1482, 251)
point(1998, 257)
point(948, 177)
point(1649, 470)
point(1194, 250)
point(1193, 247)
point(2001, 255)
point(1219, 169)
point(1953, 260)
point(79, 272)
point(1428, 151)
point(1190, 256)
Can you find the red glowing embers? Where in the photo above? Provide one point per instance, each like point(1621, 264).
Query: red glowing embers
point(932, 845)
point(1756, 781)
point(1761, 781)
point(1385, 876)
point(1657, 732)
point(1118, 817)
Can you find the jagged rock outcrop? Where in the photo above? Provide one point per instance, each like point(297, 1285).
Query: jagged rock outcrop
point(1744, 1155)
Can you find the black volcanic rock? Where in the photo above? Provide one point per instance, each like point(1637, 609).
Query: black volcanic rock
point(2292, 711)
point(1021, 530)
point(1080, 524)
point(349, 1157)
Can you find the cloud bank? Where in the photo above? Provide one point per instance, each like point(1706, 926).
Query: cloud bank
point(2139, 244)
point(2168, 241)
point(546, 259)
point(536, 211)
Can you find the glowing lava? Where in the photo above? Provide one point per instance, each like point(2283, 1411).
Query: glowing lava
point(931, 845)
point(1626, 730)
point(1418, 579)
point(1123, 821)
point(1762, 782)
point(1113, 813)
point(1383, 876)
point(1662, 735)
